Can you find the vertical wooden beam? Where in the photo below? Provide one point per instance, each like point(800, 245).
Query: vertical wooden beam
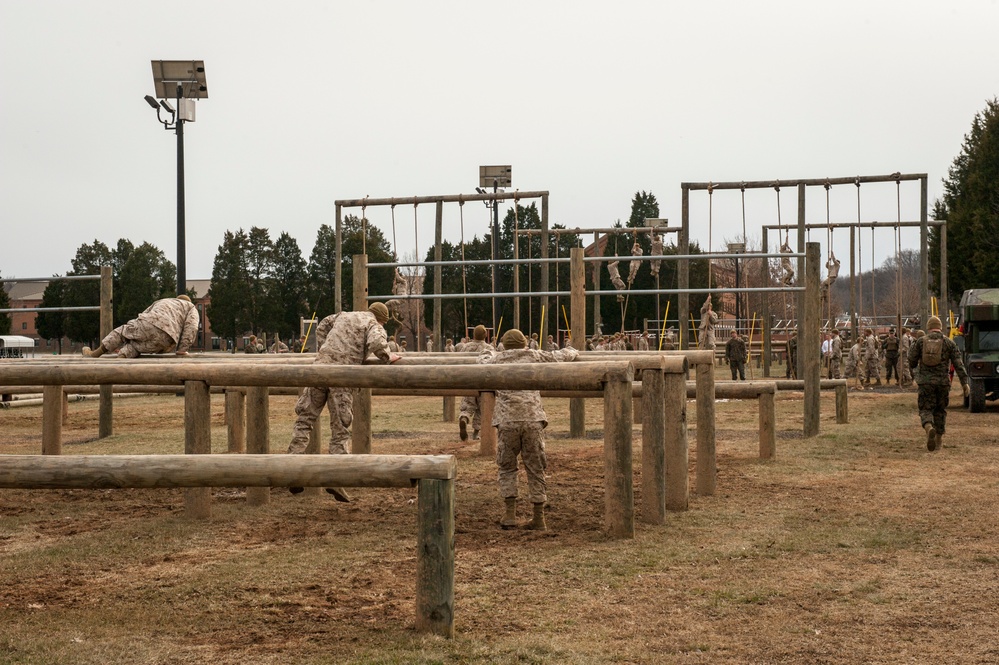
point(577, 336)
point(550, 316)
point(944, 286)
point(258, 437)
point(361, 430)
point(438, 237)
point(619, 500)
point(105, 411)
point(707, 468)
point(653, 446)
point(768, 421)
point(435, 558)
point(65, 408)
point(842, 405)
point(676, 450)
point(766, 324)
point(487, 435)
point(197, 441)
point(235, 420)
point(449, 409)
point(924, 253)
point(52, 397)
point(809, 350)
point(683, 270)
point(338, 272)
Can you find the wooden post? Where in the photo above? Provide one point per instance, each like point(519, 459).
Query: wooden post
point(619, 500)
point(676, 451)
point(683, 273)
point(338, 272)
point(52, 397)
point(438, 238)
point(65, 408)
point(361, 431)
point(842, 405)
point(197, 441)
point(449, 409)
point(810, 346)
point(653, 446)
point(707, 469)
point(435, 558)
point(105, 410)
point(577, 305)
point(235, 420)
point(768, 420)
point(487, 435)
point(765, 324)
point(257, 437)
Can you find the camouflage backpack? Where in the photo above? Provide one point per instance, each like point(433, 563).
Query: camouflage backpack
point(932, 351)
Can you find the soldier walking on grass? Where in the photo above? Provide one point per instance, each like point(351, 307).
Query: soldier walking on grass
point(931, 357)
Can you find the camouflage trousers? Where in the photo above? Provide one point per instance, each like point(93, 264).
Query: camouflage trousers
point(891, 367)
point(904, 373)
point(471, 412)
point(869, 369)
point(932, 401)
point(526, 439)
point(834, 368)
point(308, 409)
point(707, 340)
point(137, 337)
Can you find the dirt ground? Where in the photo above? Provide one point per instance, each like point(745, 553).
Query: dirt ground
point(855, 546)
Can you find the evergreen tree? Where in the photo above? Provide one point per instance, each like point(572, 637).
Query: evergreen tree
point(970, 205)
point(290, 285)
point(322, 272)
point(52, 325)
point(145, 276)
point(5, 319)
point(230, 290)
point(86, 326)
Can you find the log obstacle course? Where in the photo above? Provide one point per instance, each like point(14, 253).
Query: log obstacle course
point(433, 475)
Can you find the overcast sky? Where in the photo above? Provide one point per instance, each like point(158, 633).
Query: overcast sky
point(311, 102)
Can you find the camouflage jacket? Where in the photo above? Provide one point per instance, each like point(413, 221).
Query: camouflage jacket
point(348, 338)
point(869, 347)
point(523, 405)
point(938, 375)
point(476, 346)
point(836, 348)
point(735, 350)
point(177, 318)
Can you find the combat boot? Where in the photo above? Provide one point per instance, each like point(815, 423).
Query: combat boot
point(94, 353)
point(878, 383)
point(475, 435)
point(931, 437)
point(339, 494)
point(509, 520)
point(939, 441)
point(537, 523)
point(463, 428)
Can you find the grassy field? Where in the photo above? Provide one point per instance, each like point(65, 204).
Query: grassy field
point(855, 546)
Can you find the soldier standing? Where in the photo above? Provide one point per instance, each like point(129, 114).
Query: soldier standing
point(735, 353)
point(835, 354)
point(643, 341)
point(520, 421)
point(669, 340)
point(869, 365)
point(707, 328)
point(469, 411)
point(891, 347)
point(168, 325)
point(904, 373)
point(346, 338)
point(931, 357)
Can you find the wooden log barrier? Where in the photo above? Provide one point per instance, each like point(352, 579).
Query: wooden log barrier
point(676, 449)
point(434, 474)
point(619, 500)
point(197, 441)
point(258, 438)
point(839, 385)
point(52, 420)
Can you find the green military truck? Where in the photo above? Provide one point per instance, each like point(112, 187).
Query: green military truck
point(979, 344)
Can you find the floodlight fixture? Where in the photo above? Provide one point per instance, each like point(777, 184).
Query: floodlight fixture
point(180, 79)
point(152, 102)
point(166, 105)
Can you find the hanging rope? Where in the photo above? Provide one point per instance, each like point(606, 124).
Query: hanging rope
point(364, 226)
point(416, 230)
point(785, 248)
point(830, 261)
point(395, 243)
point(711, 197)
point(557, 310)
point(860, 266)
point(464, 284)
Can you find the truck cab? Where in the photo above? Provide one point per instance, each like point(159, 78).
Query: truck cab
point(979, 345)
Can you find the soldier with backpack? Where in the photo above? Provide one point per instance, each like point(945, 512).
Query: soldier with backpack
point(931, 356)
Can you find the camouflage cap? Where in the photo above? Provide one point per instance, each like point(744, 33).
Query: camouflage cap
point(934, 323)
point(380, 311)
point(479, 333)
point(514, 339)
point(184, 296)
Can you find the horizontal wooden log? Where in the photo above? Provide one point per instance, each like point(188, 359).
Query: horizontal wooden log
point(152, 471)
point(566, 376)
point(795, 384)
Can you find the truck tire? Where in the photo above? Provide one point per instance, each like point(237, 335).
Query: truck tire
point(976, 403)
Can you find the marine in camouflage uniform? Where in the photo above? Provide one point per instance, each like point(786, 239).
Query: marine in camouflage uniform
point(735, 353)
point(791, 370)
point(709, 319)
point(168, 325)
point(934, 381)
point(891, 347)
point(904, 344)
point(347, 338)
point(469, 411)
point(869, 358)
point(520, 420)
point(835, 355)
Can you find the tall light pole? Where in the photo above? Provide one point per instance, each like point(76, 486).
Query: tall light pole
point(495, 177)
point(183, 81)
